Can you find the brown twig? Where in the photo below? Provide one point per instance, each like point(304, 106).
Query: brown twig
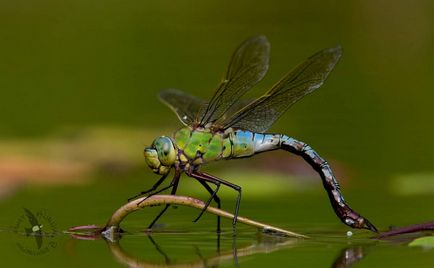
point(428, 226)
point(113, 225)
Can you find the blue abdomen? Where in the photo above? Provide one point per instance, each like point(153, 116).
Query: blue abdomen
point(247, 143)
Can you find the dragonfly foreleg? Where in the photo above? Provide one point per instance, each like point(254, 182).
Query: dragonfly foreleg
point(153, 188)
point(209, 178)
point(342, 210)
point(216, 199)
point(159, 191)
point(174, 184)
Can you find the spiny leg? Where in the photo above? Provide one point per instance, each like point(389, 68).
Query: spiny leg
point(216, 199)
point(157, 192)
point(154, 193)
point(215, 180)
point(155, 186)
point(213, 194)
point(346, 214)
point(211, 191)
point(173, 184)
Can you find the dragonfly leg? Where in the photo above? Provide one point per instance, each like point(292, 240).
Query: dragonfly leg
point(153, 188)
point(209, 178)
point(174, 184)
point(213, 194)
point(216, 199)
point(157, 192)
point(342, 210)
point(211, 191)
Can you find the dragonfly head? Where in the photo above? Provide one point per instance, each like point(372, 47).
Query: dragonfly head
point(161, 156)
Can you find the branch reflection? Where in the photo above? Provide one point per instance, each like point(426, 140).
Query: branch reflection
point(263, 245)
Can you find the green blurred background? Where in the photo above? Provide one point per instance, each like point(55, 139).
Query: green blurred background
point(79, 80)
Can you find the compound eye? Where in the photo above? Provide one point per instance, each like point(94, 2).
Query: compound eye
point(166, 150)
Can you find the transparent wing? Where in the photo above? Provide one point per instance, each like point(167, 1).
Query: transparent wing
point(187, 107)
point(231, 111)
point(259, 115)
point(247, 67)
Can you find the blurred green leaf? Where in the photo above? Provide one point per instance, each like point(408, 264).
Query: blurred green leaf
point(425, 242)
point(413, 184)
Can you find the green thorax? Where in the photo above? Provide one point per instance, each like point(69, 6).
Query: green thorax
point(199, 146)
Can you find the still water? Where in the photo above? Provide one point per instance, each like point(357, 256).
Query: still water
point(178, 242)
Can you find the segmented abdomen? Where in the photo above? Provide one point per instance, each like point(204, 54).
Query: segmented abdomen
point(247, 143)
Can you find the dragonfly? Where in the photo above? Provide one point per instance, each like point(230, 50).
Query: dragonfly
point(227, 127)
